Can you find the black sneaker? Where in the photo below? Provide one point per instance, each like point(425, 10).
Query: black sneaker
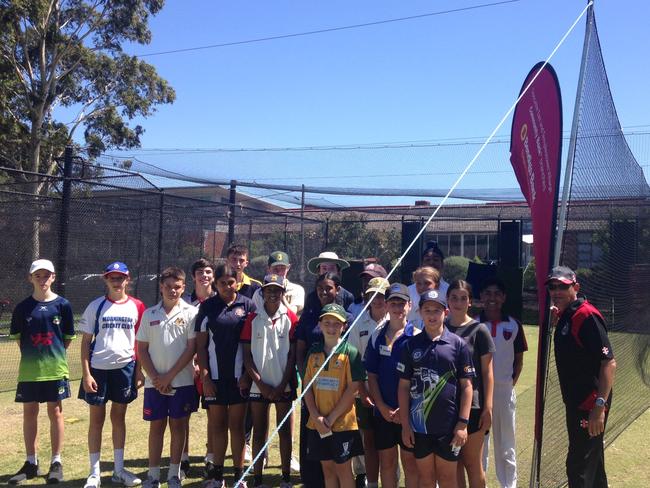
point(208, 472)
point(185, 469)
point(360, 482)
point(29, 471)
point(55, 474)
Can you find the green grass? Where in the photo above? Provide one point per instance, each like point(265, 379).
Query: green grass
point(626, 458)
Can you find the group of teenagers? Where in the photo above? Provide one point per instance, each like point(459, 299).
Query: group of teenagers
point(399, 373)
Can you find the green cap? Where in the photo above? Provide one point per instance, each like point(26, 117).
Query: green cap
point(278, 257)
point(335, 310)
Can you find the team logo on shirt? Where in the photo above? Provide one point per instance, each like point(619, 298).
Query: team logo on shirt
point(507, 333)
point(56, 320)
point(417, 354)
point(338, 363)
point(42, 308)
point(468, 369)
point(239, 311)
point(605, 350)
point(61, 390)
point(179, 321)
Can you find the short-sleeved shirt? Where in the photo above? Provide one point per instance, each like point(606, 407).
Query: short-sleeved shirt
point(248, 286)
point(363, 329)
point(167, 337)
point(509, 340)
point(478, 339)
point(42, 329)
point(581, 344)
point(113, 325)
point(224, 324)
point(434, 368)
point(382, 358)
point(294, 295)
point(308, 329)
point(270, 339)
point(343, 298)
point(344, 367)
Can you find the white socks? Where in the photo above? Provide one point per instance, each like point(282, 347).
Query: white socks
point(174, 470)
point(154, 473)
point(32, 459)
point(118, 460)
point(94, 463)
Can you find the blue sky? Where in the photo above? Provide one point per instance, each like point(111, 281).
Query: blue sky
point(450, 76)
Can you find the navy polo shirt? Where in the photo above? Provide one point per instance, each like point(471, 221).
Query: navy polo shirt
point(308, 329)
point(434, 369)
point(224, 324)
point(381, 359)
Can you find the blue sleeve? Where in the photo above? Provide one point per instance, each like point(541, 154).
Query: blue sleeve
point(404, 365)
point(17, 321)
point(464, 364)
point(371, 358)
point(67, 327)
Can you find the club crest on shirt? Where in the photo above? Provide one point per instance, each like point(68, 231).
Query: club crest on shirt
point(239, 311)
point(507, 333)
point(605, 350)
point(179, 321)
point(56, 320)
point(417, 355)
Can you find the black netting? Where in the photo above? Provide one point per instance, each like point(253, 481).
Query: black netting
point(608, 243)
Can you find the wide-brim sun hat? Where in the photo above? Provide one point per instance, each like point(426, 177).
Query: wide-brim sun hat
point(326, 257)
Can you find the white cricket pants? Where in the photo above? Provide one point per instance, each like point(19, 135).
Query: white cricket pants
point(503, 435)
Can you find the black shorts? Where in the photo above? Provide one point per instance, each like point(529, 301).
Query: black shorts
point(116, 385)
point(364, 415)
point(426, 444)
point(474, 419)
point(388, 434)
point(42, 391)
point(338, 447)
point(228, 393)
point(287, 397)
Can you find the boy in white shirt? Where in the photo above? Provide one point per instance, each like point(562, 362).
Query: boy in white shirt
point(166, 345)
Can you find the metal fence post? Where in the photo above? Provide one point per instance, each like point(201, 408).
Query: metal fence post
point(302, 235)
point(64, 225)
point(231, 212)
point(160, 240)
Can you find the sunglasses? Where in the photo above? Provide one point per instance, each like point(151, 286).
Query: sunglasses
point(559, 286)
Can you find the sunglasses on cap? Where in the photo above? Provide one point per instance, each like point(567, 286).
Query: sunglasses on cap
point(559, 286)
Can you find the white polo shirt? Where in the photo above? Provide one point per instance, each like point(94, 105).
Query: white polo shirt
point(270, 339)
point(414, 313)
point(294, 294)
point(167, 336)
point(116, 325)
point(363, 329)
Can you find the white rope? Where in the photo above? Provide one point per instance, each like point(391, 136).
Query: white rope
point(415, 239)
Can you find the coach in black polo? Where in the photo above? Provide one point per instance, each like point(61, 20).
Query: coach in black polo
point(585, 365)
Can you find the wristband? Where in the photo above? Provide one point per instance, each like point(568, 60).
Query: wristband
point(463, 420)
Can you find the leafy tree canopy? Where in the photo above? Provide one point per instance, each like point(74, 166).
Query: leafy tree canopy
point(69, 53)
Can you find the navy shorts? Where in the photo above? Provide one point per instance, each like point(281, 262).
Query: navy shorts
point(116, 385)
point(426, 444)
point(158, 406)
point(364, 415)
point(42, 391)
point(388, 434)
point(287, 397)
point(338, 447)
point(228, 393)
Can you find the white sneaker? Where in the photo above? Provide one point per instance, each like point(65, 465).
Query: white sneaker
point(174, 482)
point(93, 481)
point(126, 478)
point(248, 453)
point(151, 483)
point(294, 465)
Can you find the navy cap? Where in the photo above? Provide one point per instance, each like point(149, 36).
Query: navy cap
point(433, 296)
point(398, 290)
point(273, 280)
point(117, 267)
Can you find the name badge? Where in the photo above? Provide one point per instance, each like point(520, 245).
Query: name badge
point(384, 350)
point(327, 383)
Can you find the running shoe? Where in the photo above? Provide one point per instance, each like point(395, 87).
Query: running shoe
point(55, 474)
point(126, 478)
point(93, 481)
point(29, 471)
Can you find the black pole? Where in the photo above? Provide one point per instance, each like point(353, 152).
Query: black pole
point(231, 212)
point(327, 233)
point(64, 225)
point(160, 241)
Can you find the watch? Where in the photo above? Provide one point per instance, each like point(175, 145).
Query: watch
point(600, 402)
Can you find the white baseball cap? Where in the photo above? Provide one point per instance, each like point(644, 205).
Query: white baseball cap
point(45, 264)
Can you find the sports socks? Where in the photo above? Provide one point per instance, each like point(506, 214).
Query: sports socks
point(32, 459)
point(174, 470)
point(118, 460)
point(56, 459)
point(154, 472)
point(94, 463)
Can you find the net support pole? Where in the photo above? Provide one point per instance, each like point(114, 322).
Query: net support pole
point(535, 478)
point(64, 222)
point(568, 172)
point(161, 224)
point(302, 234)
point(231, 211)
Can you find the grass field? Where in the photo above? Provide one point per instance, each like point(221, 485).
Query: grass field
point(627, 457)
